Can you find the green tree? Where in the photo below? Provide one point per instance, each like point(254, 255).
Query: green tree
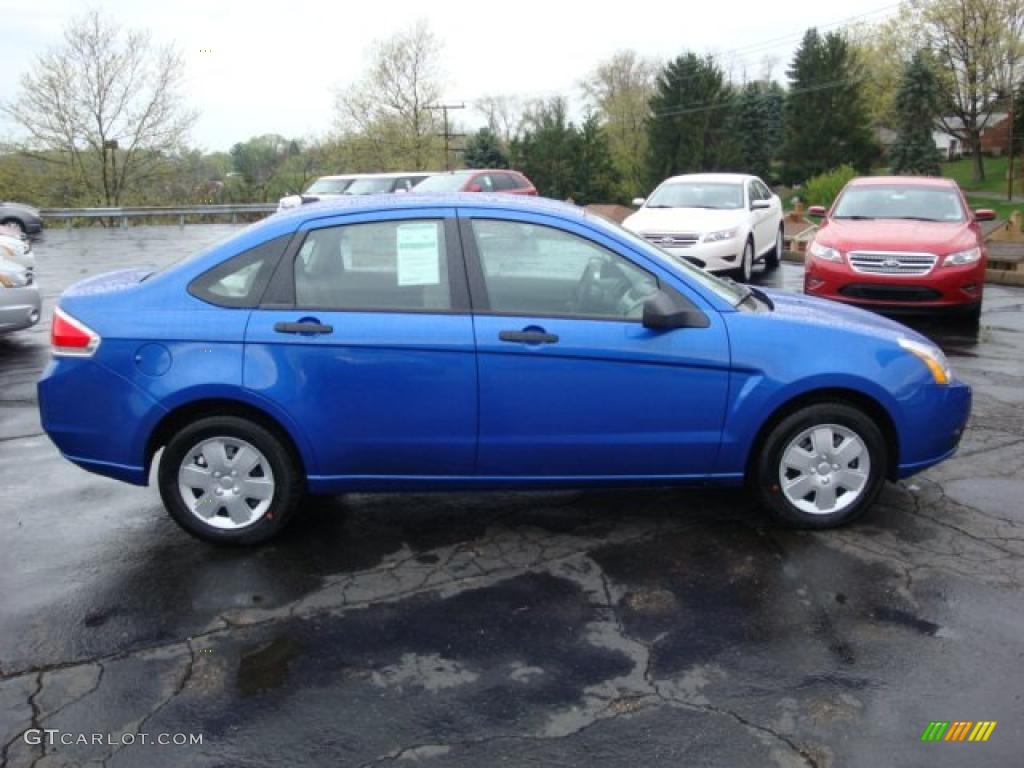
point(259, 161)
point(597, 178)
point(826, 118)
point(688, 129)
point(917, 105)
point(484, 150)
point(546, 149)
point(757, 122)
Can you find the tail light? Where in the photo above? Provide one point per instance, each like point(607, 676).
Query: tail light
point(70, 337)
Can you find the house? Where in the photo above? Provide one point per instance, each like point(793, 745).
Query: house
point(995, 136)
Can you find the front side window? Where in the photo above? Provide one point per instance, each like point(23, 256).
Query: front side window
point(329, 186)
point(536, 270)
point(370, 186)
point(385, 265)
point(443, 182)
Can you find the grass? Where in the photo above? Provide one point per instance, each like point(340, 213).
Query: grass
point(1002, 208)
point(962, 171)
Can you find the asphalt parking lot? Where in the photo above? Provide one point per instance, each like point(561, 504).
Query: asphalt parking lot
point(616, 628)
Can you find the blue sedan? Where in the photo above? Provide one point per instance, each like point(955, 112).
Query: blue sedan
point(471, 342)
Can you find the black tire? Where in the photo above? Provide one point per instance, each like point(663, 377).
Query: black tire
point(745, 271)
point(768, 464)
point(289, 481)
point(971, 318)
point(15, 224)
point(774, 256)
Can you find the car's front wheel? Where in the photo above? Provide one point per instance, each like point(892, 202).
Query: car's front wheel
point(746, 268)
point(774, 256)
point(821, 466)
point(228, 480)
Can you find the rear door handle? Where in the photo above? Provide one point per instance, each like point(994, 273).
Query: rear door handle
point(528, 337)
point(305, 327)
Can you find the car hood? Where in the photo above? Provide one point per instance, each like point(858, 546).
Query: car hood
point(674, 220)
point(891, 235)
point(21, 207)
point(833, 314)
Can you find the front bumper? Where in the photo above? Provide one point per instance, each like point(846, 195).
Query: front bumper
point(932, 427)
point(942, 288)
point(20, 308)
point(721, 256)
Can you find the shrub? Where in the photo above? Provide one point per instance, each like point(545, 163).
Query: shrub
point(824, 188)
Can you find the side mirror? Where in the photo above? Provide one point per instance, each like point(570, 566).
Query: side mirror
point(760, 205)
point(475, 188)
point(817, 211)
point(639, 201)
point(984, 214)
point(664, 311)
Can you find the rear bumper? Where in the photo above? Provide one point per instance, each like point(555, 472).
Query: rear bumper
point(19, 308)
point(943, 288)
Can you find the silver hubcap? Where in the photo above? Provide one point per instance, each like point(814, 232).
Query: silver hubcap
point(824, 469)
point(226, 482)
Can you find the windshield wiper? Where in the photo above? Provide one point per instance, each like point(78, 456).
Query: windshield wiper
point(856, 218)
point(912, 218)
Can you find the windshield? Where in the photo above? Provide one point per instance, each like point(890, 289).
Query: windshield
point(328, 186)
point(697, 194)
point(444, 182)
point(732, 292)
point(899, 201)
point(370, 186)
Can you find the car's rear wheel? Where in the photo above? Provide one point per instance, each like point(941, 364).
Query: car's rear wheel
point(746, 268)
point(14, 224)
point(821, 466)
point(774, 256)
point(227, 480)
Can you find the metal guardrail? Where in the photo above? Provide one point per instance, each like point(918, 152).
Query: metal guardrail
point(68, 215)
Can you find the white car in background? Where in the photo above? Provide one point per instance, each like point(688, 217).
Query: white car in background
point(723, 222)
point(356, 184)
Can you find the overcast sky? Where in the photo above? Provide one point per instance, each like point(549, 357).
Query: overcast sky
point(275, 65)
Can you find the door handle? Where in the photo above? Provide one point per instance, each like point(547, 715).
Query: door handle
point(528, 337)
point(304, 327)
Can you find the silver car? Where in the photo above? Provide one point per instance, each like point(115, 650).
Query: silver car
point(20, 300)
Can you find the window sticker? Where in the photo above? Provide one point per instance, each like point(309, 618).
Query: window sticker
point(419, 254)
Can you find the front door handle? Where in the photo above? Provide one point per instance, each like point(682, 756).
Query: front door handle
point(303, 327)
point(529, 337)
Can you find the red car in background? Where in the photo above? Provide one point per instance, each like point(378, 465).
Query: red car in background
point(900, 243)
point(495, 180)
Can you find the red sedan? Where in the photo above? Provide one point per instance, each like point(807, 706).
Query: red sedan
point(900, 243)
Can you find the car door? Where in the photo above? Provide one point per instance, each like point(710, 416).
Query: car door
point(764, 219)
point(572, 385)
point(365, 338)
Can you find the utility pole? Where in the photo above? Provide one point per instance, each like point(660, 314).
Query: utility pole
point(1009, 164)
point(447, 135)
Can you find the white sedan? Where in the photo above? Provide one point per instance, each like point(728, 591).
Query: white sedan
point(724, 222)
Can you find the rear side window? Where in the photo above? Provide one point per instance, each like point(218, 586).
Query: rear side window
point(383, 265)
point(241, 280)
point(504, 181)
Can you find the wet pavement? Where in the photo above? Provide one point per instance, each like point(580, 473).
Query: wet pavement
point(623, 628)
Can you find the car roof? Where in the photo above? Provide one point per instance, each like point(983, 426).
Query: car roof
point(733, 178)
point(388, 175)
point(910, 181)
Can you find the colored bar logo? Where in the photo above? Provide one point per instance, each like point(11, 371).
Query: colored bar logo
point(958, 730)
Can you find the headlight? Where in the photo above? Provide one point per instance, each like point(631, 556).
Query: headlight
point(716, 237)
point(969, 256)
point(824, 252)
point(932, 357)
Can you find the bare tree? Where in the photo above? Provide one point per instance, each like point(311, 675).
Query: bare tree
point(388, 108)
point(504, 115)
point(620, 89)
point(978, 44)
point(105, 103)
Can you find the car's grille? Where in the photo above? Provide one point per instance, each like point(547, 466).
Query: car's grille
point(892, 263)
point(874, 292)
point(677, 240)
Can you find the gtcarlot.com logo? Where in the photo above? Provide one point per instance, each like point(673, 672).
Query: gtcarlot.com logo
point(53, 737)
point(958, 730)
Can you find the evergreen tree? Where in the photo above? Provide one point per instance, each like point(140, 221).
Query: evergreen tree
point(826, 117)
point(597, 179)
point(484, 150)
point(689, 126)
point(546, 151)
point(918, 105)
point(758, 125)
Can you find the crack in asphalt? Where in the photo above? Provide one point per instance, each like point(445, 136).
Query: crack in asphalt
point(33, 723)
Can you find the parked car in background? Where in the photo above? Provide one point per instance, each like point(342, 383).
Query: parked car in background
point(444, 342)
point(16, 247)
point(24, 218)
point(355, 184)
point(503, 181)
point(900, 243)
point(723, 222)
point(20, 300)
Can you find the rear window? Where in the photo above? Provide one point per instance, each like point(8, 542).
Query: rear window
point(241, 280)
